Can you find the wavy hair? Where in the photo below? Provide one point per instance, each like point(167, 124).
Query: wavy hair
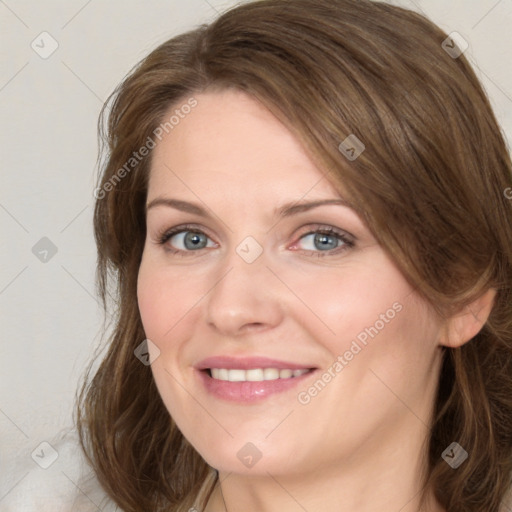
point(434, 186)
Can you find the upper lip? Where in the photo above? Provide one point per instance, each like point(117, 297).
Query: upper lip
point(247, 363)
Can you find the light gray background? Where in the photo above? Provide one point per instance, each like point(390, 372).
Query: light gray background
point(50, 318)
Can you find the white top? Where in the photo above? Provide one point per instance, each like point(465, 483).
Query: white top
point(56, 478)
point(53, 478)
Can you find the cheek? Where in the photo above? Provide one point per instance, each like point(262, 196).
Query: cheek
point(151, 302)
point(353, 300)
point(165, 298)
point(166, 303)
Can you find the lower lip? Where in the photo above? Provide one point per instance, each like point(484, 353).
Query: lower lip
point(246, 392)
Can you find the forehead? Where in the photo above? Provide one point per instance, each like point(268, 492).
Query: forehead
point(230, 144)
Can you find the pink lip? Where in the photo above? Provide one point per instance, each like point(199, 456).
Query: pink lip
point(248, 392)
point(247, 363)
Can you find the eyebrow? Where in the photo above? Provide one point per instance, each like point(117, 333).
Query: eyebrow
point(286, 210)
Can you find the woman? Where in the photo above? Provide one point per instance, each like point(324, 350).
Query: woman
point(313, 260)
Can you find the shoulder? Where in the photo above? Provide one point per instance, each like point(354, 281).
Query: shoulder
point(54, 478)
point(506, 504)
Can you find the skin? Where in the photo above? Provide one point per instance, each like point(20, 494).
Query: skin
point(358, 444)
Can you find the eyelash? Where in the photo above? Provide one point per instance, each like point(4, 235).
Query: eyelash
point(165, 235)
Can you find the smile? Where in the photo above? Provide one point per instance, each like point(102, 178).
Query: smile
point(247, 380)
point(255, 374)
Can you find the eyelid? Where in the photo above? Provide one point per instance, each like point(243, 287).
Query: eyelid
point(318, 227)
point(347, 239)
point(165, 234)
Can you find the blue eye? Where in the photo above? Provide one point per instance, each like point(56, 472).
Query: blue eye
point(324, 241)
point(191, 239)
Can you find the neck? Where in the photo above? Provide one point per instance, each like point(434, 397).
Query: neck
point(379, 476)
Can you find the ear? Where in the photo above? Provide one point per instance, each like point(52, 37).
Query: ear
point(463, 326)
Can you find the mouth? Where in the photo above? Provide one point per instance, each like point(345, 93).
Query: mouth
point(255, 374)
point(246, 380)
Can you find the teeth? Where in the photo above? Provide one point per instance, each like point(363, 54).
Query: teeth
point(255, 374)
point(269, 373)
point(236, 375)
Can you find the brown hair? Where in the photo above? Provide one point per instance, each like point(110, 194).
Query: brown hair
point(430, 184)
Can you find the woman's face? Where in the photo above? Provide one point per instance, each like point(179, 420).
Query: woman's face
point(267, 286)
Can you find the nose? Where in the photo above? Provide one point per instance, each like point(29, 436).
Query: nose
point(246, 297)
